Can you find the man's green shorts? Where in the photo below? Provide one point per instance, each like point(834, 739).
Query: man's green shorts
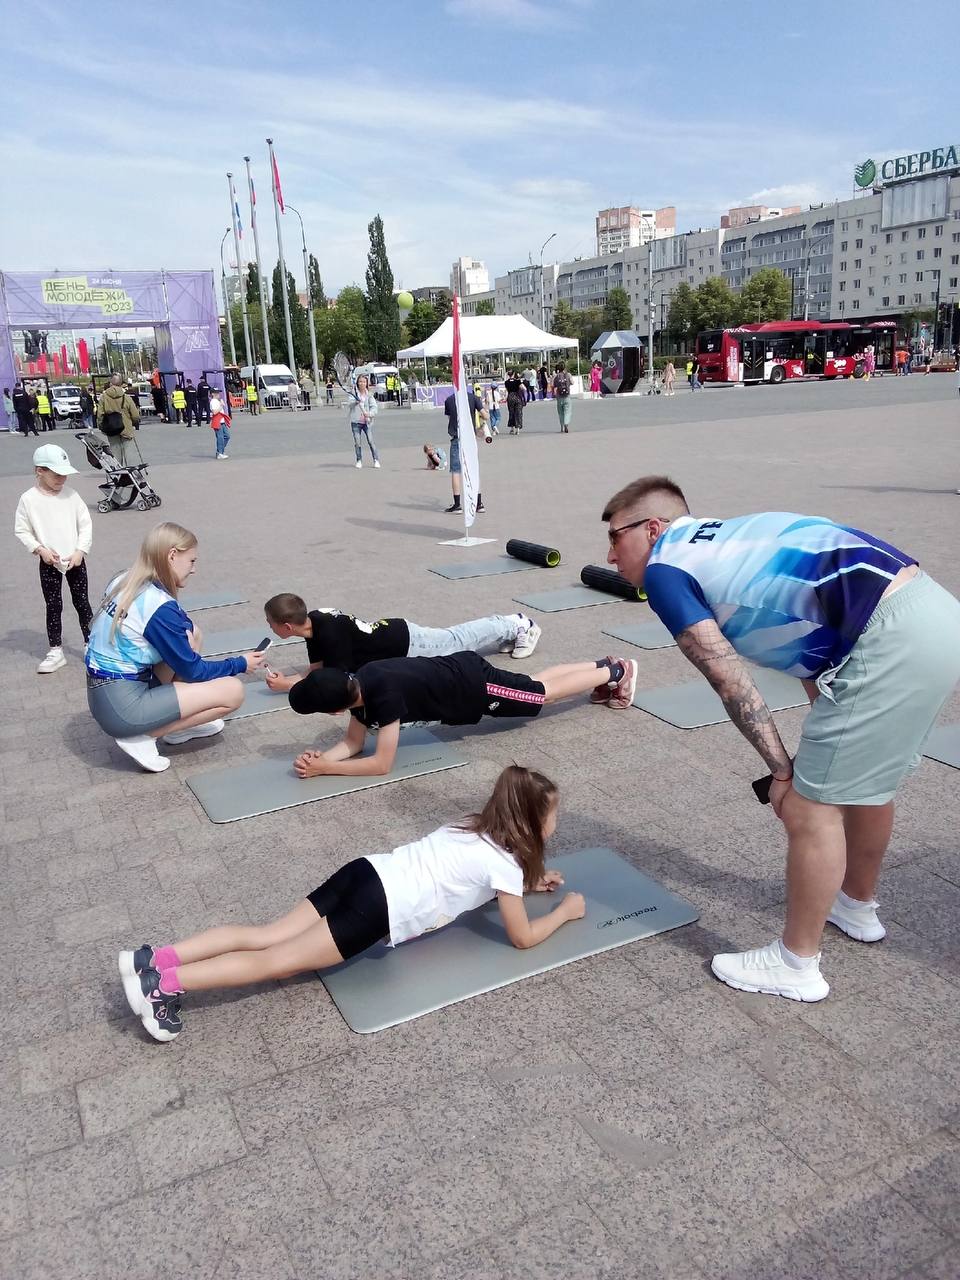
point(867, 728)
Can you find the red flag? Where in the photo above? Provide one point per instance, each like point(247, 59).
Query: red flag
point(83, 355)
point(64, 359)
point(276, 185)
point(56, 365)
point(42, 362)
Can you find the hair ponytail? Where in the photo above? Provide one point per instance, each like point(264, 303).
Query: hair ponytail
point(514, 816)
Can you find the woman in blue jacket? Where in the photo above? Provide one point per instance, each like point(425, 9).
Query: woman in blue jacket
point(145, 676)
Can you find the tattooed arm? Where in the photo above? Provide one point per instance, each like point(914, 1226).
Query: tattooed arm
point(713, 655)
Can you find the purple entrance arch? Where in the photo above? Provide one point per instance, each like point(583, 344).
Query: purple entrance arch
point(181, 306)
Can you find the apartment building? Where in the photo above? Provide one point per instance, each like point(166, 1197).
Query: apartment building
point(468, 276)
point(879, 253)
point(626, 227)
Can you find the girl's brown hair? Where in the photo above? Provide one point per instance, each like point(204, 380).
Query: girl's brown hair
point(513, 818)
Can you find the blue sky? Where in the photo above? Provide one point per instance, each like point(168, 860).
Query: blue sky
point(473, 126)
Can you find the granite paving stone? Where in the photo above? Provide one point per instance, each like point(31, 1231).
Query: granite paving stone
point(625, 1117)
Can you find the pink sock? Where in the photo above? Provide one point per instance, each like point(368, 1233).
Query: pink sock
point(165, 958)
point(169, 984)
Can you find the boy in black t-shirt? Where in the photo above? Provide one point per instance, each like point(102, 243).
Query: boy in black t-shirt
point(459, 688)
point(336, 639)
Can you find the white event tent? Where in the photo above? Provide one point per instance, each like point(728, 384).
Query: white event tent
point(487, 335)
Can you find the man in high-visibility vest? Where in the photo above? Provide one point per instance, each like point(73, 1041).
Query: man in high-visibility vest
point(252, 398)
point(43, 411)
point(179, 402)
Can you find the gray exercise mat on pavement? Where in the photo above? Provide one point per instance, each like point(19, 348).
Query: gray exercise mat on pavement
point(212, 600)
point(566, 598)
point(227, 795)
point(694, 704)
point(387, 985)
point(944, 745)
point(482, 568)
point(648, 635)
point(258, 699)
point(241, 640)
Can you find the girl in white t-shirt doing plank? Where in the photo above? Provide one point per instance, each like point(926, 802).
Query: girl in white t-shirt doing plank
point(497, 853)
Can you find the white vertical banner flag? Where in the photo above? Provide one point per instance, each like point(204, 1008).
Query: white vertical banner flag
point(469, 457)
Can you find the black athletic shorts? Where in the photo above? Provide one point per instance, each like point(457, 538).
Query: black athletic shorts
point(512, 693)
point(354, 906)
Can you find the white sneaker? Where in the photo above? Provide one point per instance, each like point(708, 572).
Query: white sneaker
point(506, 646)
point(208, 730)
point(358, 465)
point(765, 971)
point(860, 922)
point(52, 662)
point(143, 749)
point(376, 464)
point(528, 637)
point(221, 456)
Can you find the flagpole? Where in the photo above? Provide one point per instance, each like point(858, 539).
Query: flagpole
point(236, 248)
point(256, 250)
point(291, 359)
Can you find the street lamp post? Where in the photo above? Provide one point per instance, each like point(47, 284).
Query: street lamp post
point(236, 249)
point(306, 277)
point(542, 247)
point(651, 319)
point(226, 303)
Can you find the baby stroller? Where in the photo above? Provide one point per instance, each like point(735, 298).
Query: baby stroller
point(124, 485)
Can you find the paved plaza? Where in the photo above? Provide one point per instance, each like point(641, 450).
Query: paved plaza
point(626, 1116)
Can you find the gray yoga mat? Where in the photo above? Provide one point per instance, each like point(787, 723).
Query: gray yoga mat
point(483, 568)
point(648, 635)
point(227, 795)
point(566, 598)
point(387, 985)
point(694, 704)
point(241, 640)
point(258, 700)
point(212, 600)
point(944, 745)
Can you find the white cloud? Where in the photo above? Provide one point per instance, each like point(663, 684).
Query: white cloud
point(526, 15)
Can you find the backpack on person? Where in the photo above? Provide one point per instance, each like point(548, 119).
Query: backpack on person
point(112, 423)
point(561, 385)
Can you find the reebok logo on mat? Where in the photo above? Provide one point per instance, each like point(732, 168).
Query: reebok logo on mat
point(631, 915)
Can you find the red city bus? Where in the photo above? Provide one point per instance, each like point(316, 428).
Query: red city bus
point(782, 349)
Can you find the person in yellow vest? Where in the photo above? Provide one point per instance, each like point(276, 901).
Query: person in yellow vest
point(252, 398)
point(44, 412)
point(179, 402)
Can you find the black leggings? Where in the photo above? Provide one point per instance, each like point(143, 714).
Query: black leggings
point(354, 906)
point(515, 410)
point(51, 584)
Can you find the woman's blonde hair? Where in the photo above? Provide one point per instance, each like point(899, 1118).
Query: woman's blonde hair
point(151, 565)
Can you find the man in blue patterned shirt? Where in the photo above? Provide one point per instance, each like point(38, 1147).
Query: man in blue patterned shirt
point(877, 645)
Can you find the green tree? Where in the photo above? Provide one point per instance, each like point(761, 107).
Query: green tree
point(564, 322)
point(617, 312)
point(421, 322)
point(343, 325)
point(443, 305)
point(765, 296)
point(716, 306)
point(909, 322)
point(590, 325)
point(382, 320)
point(314, 284)
point(683, 319)
point(486, 307)
point(253, 283)
point(298, 321)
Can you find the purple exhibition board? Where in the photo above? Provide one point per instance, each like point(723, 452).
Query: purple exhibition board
point(181, 306)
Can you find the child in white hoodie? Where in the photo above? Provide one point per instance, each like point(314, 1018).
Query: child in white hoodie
point(53, 523)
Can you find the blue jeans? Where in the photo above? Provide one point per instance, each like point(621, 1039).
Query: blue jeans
point(361, 429)
point(563, 410)
point(223, 439)
point(494, 421)
point(478, 634)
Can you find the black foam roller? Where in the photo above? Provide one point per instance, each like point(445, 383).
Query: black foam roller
point(533, 553)
point(610, 581)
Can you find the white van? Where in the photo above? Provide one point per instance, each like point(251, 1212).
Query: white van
point(271, 381)
point(377, 377)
